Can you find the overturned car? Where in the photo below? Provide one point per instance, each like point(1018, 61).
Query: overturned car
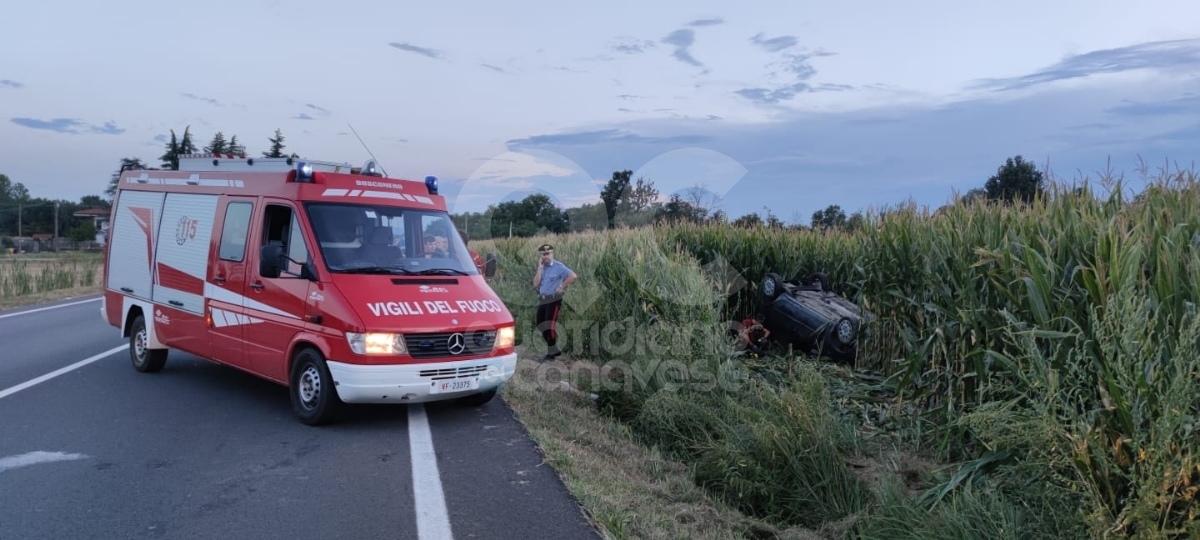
point(808, 315)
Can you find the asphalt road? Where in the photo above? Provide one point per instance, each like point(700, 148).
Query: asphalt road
point(98, 450)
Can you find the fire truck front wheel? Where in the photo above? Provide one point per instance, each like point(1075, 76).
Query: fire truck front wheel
point(314, 399)
point(144, 358)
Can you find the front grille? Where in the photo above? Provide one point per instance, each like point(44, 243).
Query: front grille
point(437, 345)
point(453, 373)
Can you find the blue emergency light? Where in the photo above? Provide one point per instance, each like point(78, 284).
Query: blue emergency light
point(304, 172)
point(431, 183)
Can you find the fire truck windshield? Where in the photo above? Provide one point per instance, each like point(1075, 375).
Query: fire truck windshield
point(388, 239)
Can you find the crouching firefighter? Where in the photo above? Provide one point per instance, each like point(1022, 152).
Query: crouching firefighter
point(753, 335)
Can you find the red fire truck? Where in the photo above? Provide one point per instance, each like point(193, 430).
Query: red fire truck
point(337, 282)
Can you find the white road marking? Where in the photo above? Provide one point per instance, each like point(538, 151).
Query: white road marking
point(433, 522)
point(34, 458)
point(10, 391)
point(28, 311)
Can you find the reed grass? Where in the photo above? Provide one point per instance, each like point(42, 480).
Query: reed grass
point(20, 276)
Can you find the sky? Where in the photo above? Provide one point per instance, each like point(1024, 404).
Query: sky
point(779, 107)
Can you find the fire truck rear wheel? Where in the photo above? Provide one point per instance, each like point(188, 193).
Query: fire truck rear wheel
point(145, 359)
point(314, 398)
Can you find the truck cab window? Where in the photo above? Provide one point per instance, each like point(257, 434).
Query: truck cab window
point(235, 230)
point(282, 227)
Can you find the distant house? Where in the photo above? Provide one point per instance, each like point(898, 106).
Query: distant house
point(99, 220)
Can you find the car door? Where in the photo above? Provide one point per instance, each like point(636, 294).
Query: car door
point(278, 303)
point(225, 287)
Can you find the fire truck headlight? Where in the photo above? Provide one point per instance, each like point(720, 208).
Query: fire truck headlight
point(505, 337)
point(373, 343)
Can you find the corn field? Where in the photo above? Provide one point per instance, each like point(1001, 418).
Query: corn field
point(1053, 342)
point(24, 276)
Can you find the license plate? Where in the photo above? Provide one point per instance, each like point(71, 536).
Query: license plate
point(454, 385)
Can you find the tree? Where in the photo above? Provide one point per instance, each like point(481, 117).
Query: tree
point(186, 146)
point(748, 221)
point(276, 150)
point(642, 195)
point(217, 145)
point(234, 148)
point(84, 232)
point(832, 216)
point(614, 192)
point(528, 216)
point(127, 164)
point(678, 210)
point(12, 191)
point(93, 201)
point(170, 159)
point(1017, 179)
point(701, 201)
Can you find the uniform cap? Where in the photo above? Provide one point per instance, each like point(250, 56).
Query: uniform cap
point(545, 247)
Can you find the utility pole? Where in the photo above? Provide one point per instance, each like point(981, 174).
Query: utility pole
point(19, 241)
point(56, 226)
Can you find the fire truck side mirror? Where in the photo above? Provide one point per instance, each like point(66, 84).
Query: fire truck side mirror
point(270, 261)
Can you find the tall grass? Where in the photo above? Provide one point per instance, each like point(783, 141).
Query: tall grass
point(1052, 343)
point(21, 276)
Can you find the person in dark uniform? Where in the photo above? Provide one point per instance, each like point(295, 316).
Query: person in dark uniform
point(551, 281)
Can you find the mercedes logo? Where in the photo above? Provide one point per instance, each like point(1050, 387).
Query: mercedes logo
point(456, 344)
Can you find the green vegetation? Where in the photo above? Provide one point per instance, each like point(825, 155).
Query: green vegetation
point(1041, 350)
point(31, 275)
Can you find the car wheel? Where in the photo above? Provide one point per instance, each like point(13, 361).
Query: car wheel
point(145, 359)
point(772, 287)
point(841, 341)
point(314, 399)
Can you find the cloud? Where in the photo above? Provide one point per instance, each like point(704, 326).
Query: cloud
point(303, 116)
point(683, 39)
point(511, 176)
point(161, 139)
point(601, 137)
point(1184, 105)
point(69, 125)
point(318, 109)
point(432, 53)
point(793, 70)
point(707, 22)
point(10, 83)
point(1174, 56)
point(887, 155)
point(210, 101)
point(628, 45)
point(796, 69)
point(774, 44)
point(493, 68)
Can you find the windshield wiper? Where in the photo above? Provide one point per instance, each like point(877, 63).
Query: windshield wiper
point(375, 270)
point(440, 271)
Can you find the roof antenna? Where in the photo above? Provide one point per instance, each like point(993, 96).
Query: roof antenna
point(374, 162)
